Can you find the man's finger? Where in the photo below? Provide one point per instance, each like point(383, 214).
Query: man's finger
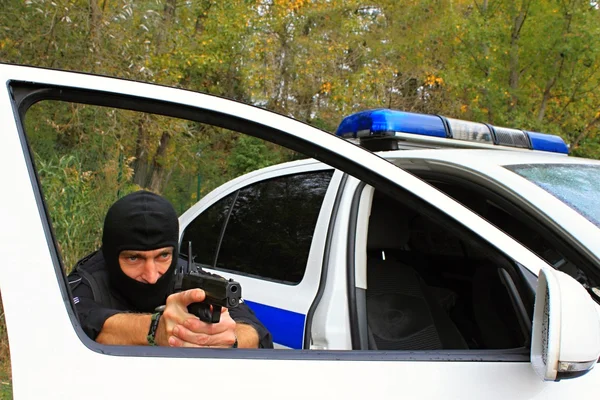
point(188, 297)
point(181, 332)
point(224, 339)
point(176, 342)
point(198, 326)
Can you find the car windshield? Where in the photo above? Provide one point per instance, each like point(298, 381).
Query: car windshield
point(575, 184)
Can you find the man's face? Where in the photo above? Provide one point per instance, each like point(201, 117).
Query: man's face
point(146, 266)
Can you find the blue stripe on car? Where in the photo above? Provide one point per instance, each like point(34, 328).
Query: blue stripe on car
point(287, 327)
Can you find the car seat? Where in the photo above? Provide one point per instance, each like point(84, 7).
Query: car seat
point(402, 311)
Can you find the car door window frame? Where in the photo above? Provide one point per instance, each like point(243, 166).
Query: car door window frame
point(26, 93)
point(356, 272)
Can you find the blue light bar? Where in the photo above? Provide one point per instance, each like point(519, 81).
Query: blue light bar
point(511, 137)
point(546, 142)
point(470, 131)
point(383, 122)
point(380, 123)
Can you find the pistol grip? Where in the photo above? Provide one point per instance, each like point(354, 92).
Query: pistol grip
point(205, 312)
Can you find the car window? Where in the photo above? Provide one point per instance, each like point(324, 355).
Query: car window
point(205, 232)
point(575, 184)
point(508, 217)
point(89, 156)
point(271, 225)
point(431, 287)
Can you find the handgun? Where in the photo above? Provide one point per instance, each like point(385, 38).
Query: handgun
point(220, 292)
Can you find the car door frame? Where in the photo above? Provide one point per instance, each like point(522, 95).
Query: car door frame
point(299, 299)
point(30, 85)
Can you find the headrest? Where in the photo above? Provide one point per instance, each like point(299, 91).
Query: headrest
point(388, 225)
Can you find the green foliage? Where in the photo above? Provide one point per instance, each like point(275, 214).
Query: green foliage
point(249, 154)
point(77, 201)
point(81, 168)
point(515, 63)
point(512, 63)
point(5, 390)
point(87, 157)
point(5, 385)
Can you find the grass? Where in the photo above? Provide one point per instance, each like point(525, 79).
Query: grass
point(5, 370)
point(5, 390)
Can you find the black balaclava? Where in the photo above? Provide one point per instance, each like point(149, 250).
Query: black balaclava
point(140, 221)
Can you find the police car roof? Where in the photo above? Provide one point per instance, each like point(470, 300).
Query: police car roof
point(491, 157)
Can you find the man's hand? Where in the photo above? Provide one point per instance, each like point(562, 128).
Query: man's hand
point(179, 328)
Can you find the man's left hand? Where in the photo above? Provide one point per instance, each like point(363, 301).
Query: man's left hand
point(196, 333)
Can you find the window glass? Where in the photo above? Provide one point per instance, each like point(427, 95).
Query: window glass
point(205, 232)
point(271, 227)
point(431, 287)
point(517, 226)
point(89, 156)
point(575, 185)
point(509, 218)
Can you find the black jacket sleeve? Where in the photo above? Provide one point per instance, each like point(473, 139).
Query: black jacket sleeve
point(91, 314)
point(242, 314)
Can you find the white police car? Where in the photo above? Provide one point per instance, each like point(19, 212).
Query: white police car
point(384, 284)
point(319, 252)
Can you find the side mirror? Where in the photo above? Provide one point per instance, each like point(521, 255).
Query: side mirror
point(566, 328)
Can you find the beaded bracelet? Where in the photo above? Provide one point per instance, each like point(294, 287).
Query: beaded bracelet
point(153, 326)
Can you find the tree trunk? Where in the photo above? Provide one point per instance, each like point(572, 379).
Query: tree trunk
point(548, 90)
point(167, 18)
point(158, 169)
point(552, 81)
point(201, 16)
point(95, 24)
point(140, 166)
point(485, 49)
point(515, 35)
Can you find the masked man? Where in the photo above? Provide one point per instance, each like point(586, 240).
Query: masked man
point(118, 290)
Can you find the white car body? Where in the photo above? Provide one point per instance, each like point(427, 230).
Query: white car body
point(330, 328)
point(51, 356)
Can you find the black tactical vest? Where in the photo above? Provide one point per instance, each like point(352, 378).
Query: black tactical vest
point(92, 269)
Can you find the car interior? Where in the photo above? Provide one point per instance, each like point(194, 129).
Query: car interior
point(523, 227)
point(432, 286)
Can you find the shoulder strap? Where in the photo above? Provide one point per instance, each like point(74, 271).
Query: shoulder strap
point(91, 269)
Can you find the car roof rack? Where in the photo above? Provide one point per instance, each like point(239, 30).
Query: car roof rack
point(385, 129)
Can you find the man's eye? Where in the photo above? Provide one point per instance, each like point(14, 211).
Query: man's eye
point(132, 258)
point(165, 255)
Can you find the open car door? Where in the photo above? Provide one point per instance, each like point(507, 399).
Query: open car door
point(52, 357)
